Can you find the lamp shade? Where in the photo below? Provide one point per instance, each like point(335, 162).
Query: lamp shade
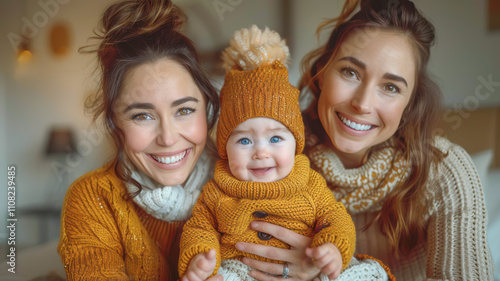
point(61, 140)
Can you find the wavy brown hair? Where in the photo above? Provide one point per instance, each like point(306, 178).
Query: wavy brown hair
point(401, 218)
point(132, 33)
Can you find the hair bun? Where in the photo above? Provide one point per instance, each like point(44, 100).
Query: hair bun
point(249, 49)
point(129, 19)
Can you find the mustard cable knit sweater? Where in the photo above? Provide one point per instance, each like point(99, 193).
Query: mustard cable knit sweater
point(299, 202)
point(104, 236)
point(456, 247)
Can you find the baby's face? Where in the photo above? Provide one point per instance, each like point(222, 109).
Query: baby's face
point(261, 149)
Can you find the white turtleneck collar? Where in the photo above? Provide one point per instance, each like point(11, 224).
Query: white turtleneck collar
point(172, 203)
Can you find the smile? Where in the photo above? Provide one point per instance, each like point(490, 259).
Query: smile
point(261, 171)
point(171, 159)
point(353, 125)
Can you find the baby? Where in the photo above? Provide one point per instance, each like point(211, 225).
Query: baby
point(263, 175)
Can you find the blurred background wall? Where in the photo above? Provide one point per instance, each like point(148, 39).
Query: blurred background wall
point(47, 91)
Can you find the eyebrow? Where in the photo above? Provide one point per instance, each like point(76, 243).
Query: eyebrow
point(275, 130)
point(355, 61)
point(363, 66)
point(138, 105)
point(395, 78)
point(183, 100)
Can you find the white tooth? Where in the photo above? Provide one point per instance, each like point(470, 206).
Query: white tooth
point(172, 159)
point(353, 124)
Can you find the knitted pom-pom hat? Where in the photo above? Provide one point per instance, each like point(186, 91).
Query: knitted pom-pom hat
point(257, 85)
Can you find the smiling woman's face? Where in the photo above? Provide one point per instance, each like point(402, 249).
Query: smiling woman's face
point(162, 114)
point(365, 90)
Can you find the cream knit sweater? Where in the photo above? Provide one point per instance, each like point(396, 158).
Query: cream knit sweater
point(456, 247)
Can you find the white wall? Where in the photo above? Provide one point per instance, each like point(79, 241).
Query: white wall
point(465, 51)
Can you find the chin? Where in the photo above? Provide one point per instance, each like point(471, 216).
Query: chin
point(349, 147)
point(170, 182)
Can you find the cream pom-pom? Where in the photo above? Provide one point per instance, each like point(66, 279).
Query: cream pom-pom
point(252, 48)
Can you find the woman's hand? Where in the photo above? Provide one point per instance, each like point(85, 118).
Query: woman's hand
point(300, 266)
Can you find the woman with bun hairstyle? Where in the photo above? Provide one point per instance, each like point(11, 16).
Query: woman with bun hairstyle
point(123, 220)
point(415, 198)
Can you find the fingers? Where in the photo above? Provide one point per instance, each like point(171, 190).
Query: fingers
point(265, 277)
point(200, 267)
point(216, 278)
point(191, 276)
point(207, 263)
point(326, 257)
point(290, 237)
point(269, 252)
point(267, 267)
point(211, 256)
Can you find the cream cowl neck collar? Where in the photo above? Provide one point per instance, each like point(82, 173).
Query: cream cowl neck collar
point(365, 188)
point(172, 203)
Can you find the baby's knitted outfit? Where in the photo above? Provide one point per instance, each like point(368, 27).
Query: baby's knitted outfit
point(456, 247)
point(299, 202)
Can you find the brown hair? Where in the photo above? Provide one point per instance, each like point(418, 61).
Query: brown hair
point(132, 33)
point(401, 218)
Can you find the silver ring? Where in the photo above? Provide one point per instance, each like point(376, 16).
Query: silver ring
point(285, 271)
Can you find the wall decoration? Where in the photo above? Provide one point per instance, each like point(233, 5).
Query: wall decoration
point(59, 39)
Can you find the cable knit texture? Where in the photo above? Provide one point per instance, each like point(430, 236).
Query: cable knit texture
point(456, 247)
point(104, 236)
point(172, 203)
point(299, 202)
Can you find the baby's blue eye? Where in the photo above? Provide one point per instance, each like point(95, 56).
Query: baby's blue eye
point(275, 139)
point(244, 141)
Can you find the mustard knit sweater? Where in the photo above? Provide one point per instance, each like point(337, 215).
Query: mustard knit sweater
point(106, 237)
point(300, 202)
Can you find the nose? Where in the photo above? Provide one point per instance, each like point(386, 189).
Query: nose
point(261, 152)
point(168, 133)
point(361, 101)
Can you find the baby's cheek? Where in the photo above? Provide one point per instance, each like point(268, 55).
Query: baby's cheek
point(238, 171)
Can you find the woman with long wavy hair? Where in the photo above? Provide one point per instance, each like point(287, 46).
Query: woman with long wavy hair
point(415, 197)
